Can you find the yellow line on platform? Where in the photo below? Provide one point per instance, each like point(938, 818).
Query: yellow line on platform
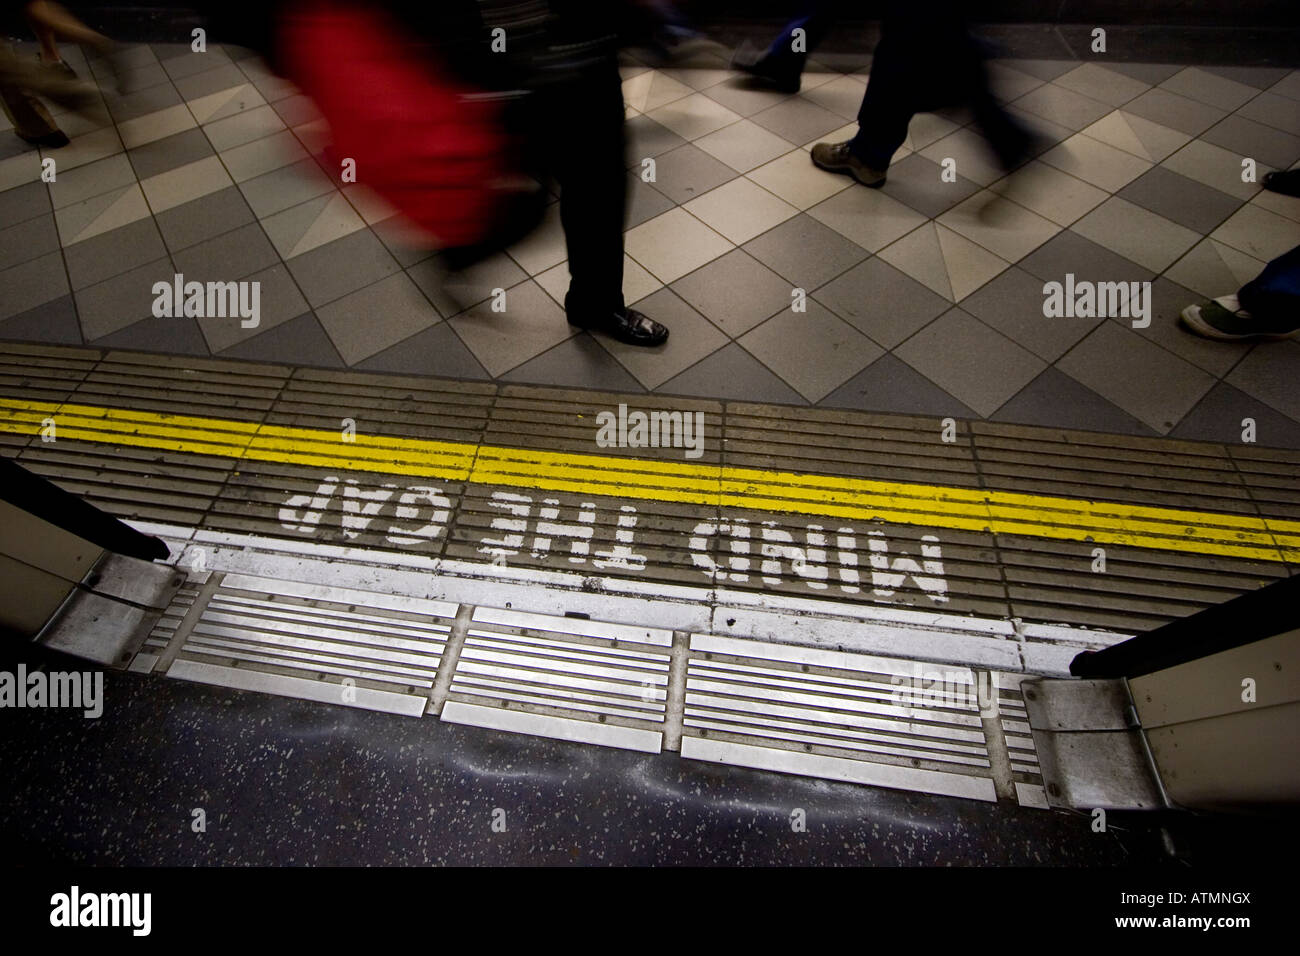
point(821, 496)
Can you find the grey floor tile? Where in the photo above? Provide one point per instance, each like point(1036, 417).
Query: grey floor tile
point(1217, 90)
point(1176, 112)
point(436, 351)
point(815, 352)
point(972, 362)
point(1054, 400)
point(204, 218)
point(31, 284)
point(1168, 299)
point(731, 373)
point(1269, 373)
point(342, 266)
point(1260, 77)
point(1246, 137)
point(798, 120)
point(54, 322)
point(1219, 417)
point(140, 77)
point(1013, 304)
point(1279, 112)
point(881, 302)
point(1044, 69)
point(108, 175)
point(1069, 252)
point(531, 324)
point(1179, 199)
point(151, 99)
point(377, 316)
point(174, 336)
point(891, 385)
point(168, 153)
point(280, 301)
point(187, 63)
point(11, 145)
point(284, 187)
point(24, 202)
point(207, 82)
point(691, 338)
point(915, 180)
point(1066, 107)
point(115, 303)
point(644, 201)
point(113, 252)
point(805, 252)
point(686, 172)
point(1137, 234)
point(231, 256)
point(27, 240)
point(579, 362)
point(645, 138)
point(299, 341)
point(454, 292)
point(743, 98)
point(1151, 74)
point(1150, 383)
point(735, 292)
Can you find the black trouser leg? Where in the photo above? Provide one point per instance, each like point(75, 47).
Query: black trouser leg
point(588, 161)
point(884, 115)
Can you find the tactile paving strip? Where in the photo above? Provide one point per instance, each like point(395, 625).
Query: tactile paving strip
point(314, 493)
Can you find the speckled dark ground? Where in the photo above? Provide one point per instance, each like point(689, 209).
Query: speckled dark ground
point(290, 782)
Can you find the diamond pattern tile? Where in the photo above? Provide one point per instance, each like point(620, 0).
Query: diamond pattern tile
point(210, 165)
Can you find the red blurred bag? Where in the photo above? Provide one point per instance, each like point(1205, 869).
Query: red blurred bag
point(434, 148)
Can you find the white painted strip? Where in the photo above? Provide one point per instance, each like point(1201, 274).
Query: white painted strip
point(1032, 795)
point(817, 657)
point(838, 768)
point(338, 595)
point(558, 728)
point(957, 623)
point(939, 644)
point(300, 687)
point(573, 625)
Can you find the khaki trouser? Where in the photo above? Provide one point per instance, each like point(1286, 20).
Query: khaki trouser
point(29, 116)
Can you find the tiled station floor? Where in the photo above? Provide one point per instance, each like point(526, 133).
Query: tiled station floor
point(916, 303)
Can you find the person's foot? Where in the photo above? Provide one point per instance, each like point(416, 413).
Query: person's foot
point(1285, 182)
point(61, 67)
point(51, 140)
point(626, 325)
point(1224, 319)
point(762, 70)
point(838, 158)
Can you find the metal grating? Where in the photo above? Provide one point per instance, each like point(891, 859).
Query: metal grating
point(557, 674)
point(339, 645)
point(846, 716)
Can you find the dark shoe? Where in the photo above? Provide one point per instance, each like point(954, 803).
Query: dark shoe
point(1225, 320)
point(626, 325)
point(760, 68)
point(838, 158)
point(51, 140)
point(1287, 183)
